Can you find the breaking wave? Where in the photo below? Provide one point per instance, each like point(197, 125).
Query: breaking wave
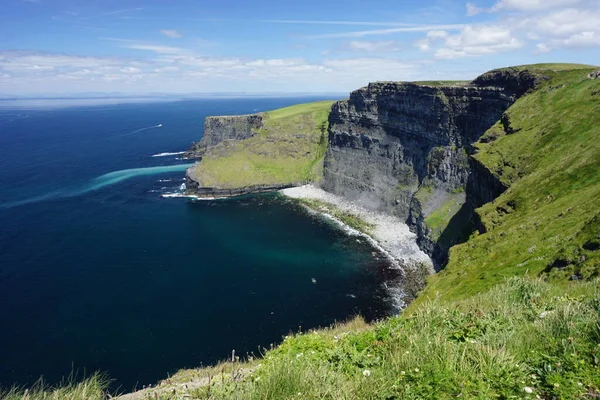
point(168, 154)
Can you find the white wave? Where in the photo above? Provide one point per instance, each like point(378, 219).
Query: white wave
point(168, 154)
point(190, 196)
point(165, 180)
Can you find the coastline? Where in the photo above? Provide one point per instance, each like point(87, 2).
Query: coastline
point(390, 235)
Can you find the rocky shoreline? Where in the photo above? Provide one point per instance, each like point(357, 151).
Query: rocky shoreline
point(391, 236)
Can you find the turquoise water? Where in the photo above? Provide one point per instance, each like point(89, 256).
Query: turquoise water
point(99, 272)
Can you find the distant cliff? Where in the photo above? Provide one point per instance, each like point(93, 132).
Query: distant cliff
point(260, 152)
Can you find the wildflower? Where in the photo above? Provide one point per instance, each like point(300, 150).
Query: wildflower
point(402, 373)
point(366, 372)
point(312, 352)
point(527, 389)
point(416, 369)
point(299, 355)
point(257, 379)
point(556, 385)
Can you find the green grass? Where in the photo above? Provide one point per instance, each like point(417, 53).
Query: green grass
point(288, 149)
point(551, 67)
point(439, 219)
point(352, 220)
point(93, 388)
point(551, 211)
point(440, 83)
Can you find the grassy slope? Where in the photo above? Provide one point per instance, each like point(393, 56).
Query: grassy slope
point(289, 148)
point(551, 210)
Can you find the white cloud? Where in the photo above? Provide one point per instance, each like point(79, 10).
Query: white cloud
point(542, 48)
point(189, 72)
point(418, 28)
point(320, 22)
point(437, 34)
point(472, 40)
point(375, 46)
point(565, 22)
point(172, 33)
point(473, 10)
point(156, 48)
point(532, 5)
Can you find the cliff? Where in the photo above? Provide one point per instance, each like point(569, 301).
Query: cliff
point(404, 149)
point(220, 129)
point(260, 152)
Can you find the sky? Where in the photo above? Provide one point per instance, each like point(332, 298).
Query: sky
point(264, 46)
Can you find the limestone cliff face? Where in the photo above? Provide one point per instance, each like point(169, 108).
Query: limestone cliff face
point(219, 129)
point(403, 149)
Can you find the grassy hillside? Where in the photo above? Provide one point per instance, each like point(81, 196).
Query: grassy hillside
point(548, 152)
point(289, 148)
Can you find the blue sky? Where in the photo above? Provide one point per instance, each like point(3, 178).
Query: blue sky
point(185, 46)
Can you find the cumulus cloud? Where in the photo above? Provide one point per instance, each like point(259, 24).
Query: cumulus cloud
point(540, 25)
point(472, 40)
point(172, 33)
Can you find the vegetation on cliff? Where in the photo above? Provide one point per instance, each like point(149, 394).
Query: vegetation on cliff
point(546, 150)
point(288, 148)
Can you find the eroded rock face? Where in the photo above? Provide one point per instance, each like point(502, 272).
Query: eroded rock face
point(403, 148)
point(219, 129)
point(389, 139)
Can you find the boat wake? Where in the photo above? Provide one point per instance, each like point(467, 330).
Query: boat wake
point(142, 129)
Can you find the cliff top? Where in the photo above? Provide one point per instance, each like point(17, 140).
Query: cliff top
point(286, 148)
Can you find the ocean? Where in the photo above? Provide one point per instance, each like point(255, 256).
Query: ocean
point(100, 272)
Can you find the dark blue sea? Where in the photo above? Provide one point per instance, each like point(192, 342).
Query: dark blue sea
point(99, 272)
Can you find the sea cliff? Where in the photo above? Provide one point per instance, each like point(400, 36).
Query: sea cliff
point(259, 152)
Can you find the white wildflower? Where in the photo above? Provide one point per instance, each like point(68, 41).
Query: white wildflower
point(257, 379)
point(527, 389)
point(366, 372)
point(299, 355)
